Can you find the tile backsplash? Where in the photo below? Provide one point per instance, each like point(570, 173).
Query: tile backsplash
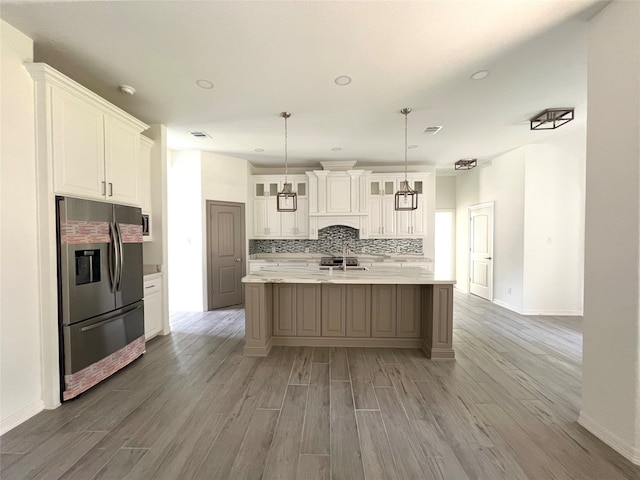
point(331, 239)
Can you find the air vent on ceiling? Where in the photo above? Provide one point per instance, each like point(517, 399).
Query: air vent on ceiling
point(200, 134)
point(432, 130)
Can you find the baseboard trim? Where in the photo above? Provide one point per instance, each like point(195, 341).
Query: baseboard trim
point(438, 353)
point(259, 351)
point(20, 416)
point(347, 342)
point(555, 313)
point(502, 304)
point(614, 441)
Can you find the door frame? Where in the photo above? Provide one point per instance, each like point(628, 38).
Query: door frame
point(479, 206)
point(209, 203)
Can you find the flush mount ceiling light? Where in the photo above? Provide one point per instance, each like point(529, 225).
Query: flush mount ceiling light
point(411, 147)
point(479, 75)
point(551, 118)
point(287, 200)
point(204, 83)
point(466, 163)
point(343, 80)
point(128, 89)
point(259, 150)
point(336, 149)
point(406, 197)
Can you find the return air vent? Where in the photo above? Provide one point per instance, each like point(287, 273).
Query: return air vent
point(432, 130)
point(200, 134)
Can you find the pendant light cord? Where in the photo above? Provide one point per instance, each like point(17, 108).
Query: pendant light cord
point(406, 113)
point(285, 115)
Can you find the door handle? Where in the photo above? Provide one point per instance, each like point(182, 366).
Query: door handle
point(487, 258)
point(238, 260)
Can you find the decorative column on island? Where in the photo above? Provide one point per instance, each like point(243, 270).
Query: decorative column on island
point(400, 308)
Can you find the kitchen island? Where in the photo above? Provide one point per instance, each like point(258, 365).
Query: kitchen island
point(381, 307)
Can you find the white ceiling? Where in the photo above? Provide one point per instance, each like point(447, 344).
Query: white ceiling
point(265, 57)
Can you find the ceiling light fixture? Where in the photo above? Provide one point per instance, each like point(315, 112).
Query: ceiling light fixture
point(411, 147)
point(551, 118)
point(466, 163)
point(203, 83)
point(406, 197)
point(336, 149)
point(479, 75)
point(343, 80)
point(259, 150)
point(128, 89)
point(287, 200)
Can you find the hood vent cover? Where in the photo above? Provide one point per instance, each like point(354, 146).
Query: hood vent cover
point(432, 130)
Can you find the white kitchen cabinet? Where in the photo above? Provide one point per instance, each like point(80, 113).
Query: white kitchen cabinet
point(152, 305)
point(268, 222)
point(382, 218)
point(95, 146)
point(145, 174)
point(413, 222)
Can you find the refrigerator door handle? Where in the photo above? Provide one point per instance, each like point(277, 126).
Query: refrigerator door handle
point(120, 256)
point(108, 320)
point(115, 260)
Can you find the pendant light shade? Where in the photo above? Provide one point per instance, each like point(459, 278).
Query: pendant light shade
point(406, 197)
point(287, 200)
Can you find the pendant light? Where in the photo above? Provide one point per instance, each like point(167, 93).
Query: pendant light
point(287, 199)
point(406, 197)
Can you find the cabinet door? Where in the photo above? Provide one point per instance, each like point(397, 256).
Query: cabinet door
point(388, 216)
point(338, 194)
point(274, 218)
point(145, 175)
point(308, 301)
point(408, 311)
point(358, 312)
point(302, 218)
point(77, 143)
point(383, 311)
point(284, 309)
point(152, 308)
point(122, 161)
point(260, 219)
point(375, 216)
point(333, 310)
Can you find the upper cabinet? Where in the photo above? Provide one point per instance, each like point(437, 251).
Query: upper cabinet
point(145, 174)
point(268, 222)
point(94, 146)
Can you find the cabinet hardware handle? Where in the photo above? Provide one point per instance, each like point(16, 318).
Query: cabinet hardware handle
point(487, 258)
point(104, 187)
point(150, 286)
point(110, 189)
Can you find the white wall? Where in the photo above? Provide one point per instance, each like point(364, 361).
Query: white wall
point(193, 178)
point(611, 357)
point(445, 192)
point(224, 179)
point(20, 369)
point(554, 226)
point(184, 209)
point(502, 182)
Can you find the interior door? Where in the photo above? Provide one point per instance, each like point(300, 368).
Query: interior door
point(225, 253)
point(481, 251)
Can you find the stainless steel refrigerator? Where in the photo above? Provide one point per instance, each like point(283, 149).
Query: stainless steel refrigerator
point(100, 290)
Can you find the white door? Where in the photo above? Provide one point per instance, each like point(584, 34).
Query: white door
point(481, 251)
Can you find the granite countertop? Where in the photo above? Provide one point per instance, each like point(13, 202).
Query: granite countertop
point(386, 275)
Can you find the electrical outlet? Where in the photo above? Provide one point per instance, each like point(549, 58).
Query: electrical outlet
point(306, 249)
point(273, 249)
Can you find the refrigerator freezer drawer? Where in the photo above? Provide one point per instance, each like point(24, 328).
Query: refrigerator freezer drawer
point(88, 342)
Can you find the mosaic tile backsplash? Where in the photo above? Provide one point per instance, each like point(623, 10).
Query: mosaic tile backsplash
point(331, 239)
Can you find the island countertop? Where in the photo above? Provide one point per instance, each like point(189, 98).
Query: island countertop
point(374, 276)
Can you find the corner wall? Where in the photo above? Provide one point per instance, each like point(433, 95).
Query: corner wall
point(20, 348)
point(611, 349)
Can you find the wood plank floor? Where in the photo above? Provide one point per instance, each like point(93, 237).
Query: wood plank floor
point(193, 407)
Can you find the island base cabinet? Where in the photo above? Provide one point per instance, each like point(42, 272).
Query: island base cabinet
point(284, 309)
point(437, 334)
point(258, 319)
point(358, 314)
point(333, 310)
point(308, 299)
point(383, 311)
point(409, 315)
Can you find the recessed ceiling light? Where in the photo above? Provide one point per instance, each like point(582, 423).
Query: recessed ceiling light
point(336, 149)
point(259, 150)
point(343, 80)
point(479, 75)
point(203, 83)
point(128, 89)
point(411, 147)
